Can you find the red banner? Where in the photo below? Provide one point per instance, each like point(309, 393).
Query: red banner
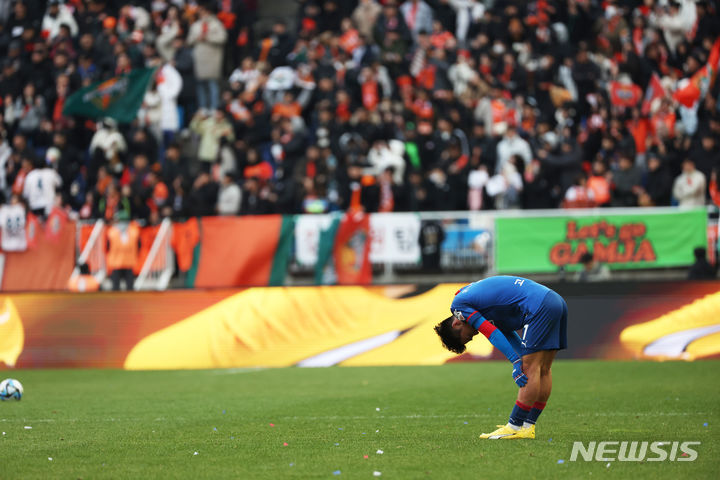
point(352, 250)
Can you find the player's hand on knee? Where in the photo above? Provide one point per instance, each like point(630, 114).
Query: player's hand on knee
point(517, 373)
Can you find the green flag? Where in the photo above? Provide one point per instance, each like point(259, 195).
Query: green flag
point(118, 98)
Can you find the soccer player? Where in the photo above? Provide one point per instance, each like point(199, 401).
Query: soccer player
point(498, 307)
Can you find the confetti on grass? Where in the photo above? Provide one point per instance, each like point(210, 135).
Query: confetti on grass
point(195, 453)
point(50, 458)
point(337, 472)
point(561, 461)
point(27, 428)
point(376, 474)
point(705, 424)
point(272, 424)
point(285, 444)
point(379, 452)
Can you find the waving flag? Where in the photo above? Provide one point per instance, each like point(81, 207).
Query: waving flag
point(624, 94)
point(118, 97)
point(694, 89)
point(654, 90)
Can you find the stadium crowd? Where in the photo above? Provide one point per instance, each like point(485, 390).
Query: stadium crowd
point(387, 106)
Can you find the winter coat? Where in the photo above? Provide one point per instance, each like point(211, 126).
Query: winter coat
point(208, 47)
point(52, 25)
point(365, 15)
point(169, 85)
point(211, 131)
point(689, 189)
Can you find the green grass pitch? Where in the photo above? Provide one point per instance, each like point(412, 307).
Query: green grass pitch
point(314, 423)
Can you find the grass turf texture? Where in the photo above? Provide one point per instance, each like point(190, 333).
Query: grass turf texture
point(116, 424)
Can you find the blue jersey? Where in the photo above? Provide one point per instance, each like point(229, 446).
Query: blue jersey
point(508, 302)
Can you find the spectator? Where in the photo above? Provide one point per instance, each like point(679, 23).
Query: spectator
point(675, 20)
point(365, 15)
point(626, 183)
point(169, 85)
point(598, 183)
point(58, 14)
point(207, 36)
point(12, 222)
point(122, 253)
point(418, 16)
point(212, 127)
point(592, 270)
point(579, 195)
point(657, 185)
point(701, 269)
point(432, 235)
point(689, 187)
point(512, 144)
point(230, 196)
point(40, 186)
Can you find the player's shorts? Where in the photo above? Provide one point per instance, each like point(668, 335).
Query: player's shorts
point(547, 329)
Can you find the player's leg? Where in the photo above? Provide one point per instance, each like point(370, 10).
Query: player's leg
point(527, 396)
point(545, 388)
point(532, 366)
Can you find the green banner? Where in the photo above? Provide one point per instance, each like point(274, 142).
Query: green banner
point(118, 98)
point(647, 239)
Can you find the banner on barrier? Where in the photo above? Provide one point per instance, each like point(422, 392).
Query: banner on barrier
point(646, 239)
point(346, 325)
point(394, 237)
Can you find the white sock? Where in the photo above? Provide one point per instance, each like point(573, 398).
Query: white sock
point(527, 424)
point(514, 427)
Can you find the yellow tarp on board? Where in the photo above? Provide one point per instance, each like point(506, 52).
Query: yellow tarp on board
point(286, 326)
point(690, 332)
point(12, 334)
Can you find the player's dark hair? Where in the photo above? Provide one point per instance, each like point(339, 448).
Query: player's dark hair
point(450, 338)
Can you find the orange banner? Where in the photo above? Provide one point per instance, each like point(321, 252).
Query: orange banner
point(47, 265)
point(237, 251)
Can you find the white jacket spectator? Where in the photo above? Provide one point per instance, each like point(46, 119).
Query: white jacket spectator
point(467, 11)
point(512, 144)
point(246, 75)
point(39, 189)
point(12, 221)
point(689, 186)
point(58, 14)
point(418, 16)
point(229, 197)
point(149, 114)
point(678, 23)
point(461, 75)
point(384, 155)
point(169, 85)
point(108, 139)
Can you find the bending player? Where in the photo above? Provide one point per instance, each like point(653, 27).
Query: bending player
point(498, 307)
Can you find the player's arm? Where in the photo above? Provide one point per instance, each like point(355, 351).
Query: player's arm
point(515, 341)
point(500, 341)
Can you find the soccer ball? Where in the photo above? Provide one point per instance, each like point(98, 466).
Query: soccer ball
point(10, 389)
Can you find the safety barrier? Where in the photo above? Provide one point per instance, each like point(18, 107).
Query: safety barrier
point(381, 248)
point(338, 325)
